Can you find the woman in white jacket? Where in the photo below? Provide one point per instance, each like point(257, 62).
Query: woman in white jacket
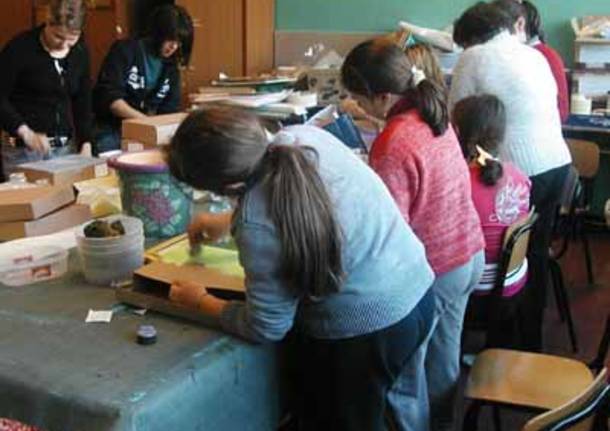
point(496, 62)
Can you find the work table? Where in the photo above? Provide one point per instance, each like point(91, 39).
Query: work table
point(59, 373)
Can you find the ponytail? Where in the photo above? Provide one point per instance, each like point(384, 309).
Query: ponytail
point(491, 172)
point(302, 213)
point(431, 102)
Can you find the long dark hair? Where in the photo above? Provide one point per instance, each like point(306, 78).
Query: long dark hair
point(71, 14)
point(480, 23)
point(172, 23)
point(534, 21)
point(378, 67)
point(215, 149)
point(481, 121)
point(513, 8)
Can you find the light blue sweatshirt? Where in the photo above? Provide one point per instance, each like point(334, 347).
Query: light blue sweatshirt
point(385, 264)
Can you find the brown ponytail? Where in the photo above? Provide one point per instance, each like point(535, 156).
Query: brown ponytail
point(303, 215)
point(481, 121)
point(380, 67)
point(215, 149)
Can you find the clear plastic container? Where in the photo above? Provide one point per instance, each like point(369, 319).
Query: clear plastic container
point(27, 265)
point(105, 261)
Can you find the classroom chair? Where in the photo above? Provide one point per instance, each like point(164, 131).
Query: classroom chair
point(486, 313)
point(526, 381)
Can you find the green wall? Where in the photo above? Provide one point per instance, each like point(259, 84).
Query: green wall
point(382, 15)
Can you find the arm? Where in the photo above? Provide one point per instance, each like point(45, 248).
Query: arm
point(401, 177)
point(111, 91)
point(270, 308)
point(81, 100)
point(121, 109)
point(10, 119)
point(171, 103)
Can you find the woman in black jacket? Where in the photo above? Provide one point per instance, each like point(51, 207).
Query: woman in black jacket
point(140, 77)
point(45, 89)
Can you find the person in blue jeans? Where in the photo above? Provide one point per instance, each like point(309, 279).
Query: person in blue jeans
point(326, 254)
point(141, 77)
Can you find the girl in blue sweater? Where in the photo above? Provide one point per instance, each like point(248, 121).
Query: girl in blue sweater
point(326, 252)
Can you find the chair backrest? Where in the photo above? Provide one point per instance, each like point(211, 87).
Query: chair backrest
point(514, 251)
point(585, 157)
point(577, 414)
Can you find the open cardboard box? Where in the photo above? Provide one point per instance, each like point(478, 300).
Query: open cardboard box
point(65, 218)
point(65, 170)
point(33, 202)
point(152, 282)
point(144, 133)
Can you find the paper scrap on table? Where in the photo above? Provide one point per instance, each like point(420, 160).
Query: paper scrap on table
point(99, 316)
point(140, 312)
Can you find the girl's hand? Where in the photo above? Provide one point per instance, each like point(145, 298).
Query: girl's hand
point(193, 295)
point(209, 227)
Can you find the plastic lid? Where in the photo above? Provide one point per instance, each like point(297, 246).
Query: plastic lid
point(151, 161)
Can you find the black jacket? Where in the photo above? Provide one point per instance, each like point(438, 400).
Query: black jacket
point(32, 91)
point(122, 76)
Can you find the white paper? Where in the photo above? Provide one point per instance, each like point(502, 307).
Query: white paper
point(101, 316)
point(140, 312)
point(257, 101)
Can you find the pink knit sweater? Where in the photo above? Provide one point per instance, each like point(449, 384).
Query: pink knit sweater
point(429, 180)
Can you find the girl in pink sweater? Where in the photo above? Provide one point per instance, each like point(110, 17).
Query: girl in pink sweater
point(501, 195)
point(419, 158)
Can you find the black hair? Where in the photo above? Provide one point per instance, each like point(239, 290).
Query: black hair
point(513, 8)
point(71, 14)
point(378, 66)
point(172, 23)
point(480, 23)
point(216, 148)
point(534, 21)
point(481, 121)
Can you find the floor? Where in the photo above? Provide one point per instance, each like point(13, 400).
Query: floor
point(590, 307)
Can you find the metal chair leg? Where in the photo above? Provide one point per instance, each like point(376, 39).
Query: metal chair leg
point(471, 416)
point(555, 273)
point(588, 261)
point(567, 311)
point(497, 419)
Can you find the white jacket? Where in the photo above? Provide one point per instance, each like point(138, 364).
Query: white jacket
point(519, 76)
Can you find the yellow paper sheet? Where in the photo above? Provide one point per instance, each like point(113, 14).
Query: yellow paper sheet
point(221, 259)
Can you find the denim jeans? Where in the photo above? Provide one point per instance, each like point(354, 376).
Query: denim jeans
point(345, 382)
point(107, 138)
point(452, 291)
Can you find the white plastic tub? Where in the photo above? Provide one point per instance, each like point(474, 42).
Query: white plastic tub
point(26, 265)
point(108, 260)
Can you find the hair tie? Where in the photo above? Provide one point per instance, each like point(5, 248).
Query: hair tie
point(418, 75)
point(484, 156)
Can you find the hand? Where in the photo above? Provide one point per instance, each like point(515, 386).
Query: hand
point(209, 227)
point(86, 150)
point(187, 293)
point(37, 142)
point(193, 295)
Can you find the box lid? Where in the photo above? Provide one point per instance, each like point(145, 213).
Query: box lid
point(33, 203)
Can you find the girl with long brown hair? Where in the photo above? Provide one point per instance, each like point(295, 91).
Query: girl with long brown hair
point(419, 158)
point(325, 251)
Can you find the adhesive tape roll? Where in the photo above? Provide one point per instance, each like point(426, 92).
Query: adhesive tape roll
point(303, 99)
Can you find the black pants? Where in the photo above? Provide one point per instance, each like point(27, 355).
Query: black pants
point(545, 196)
point(343, 383)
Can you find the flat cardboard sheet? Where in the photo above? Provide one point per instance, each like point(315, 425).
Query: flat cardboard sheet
point(65, 170)
point(33, 203)
point(151, 131)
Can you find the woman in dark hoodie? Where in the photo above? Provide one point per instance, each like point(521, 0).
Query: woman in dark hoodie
point(140, 77)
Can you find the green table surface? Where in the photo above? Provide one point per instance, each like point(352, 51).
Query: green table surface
point(59, 373)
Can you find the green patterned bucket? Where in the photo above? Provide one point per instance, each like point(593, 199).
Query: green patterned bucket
point(150, 193)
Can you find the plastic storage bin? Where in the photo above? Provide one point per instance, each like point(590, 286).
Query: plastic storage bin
point(149, 192)
point(26, 265)
point(105, 261)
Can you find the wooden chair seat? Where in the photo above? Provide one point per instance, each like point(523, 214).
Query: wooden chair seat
point(526, 379)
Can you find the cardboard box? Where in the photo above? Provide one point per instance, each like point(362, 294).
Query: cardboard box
point(65, 170)
point(67, 217)
point(151, 131)
point(33, 203)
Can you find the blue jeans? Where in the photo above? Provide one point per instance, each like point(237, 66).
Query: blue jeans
point(452, 291)
point(107, 138)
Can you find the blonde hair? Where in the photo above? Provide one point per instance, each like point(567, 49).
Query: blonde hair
point(70, 14)
point(421, 56)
